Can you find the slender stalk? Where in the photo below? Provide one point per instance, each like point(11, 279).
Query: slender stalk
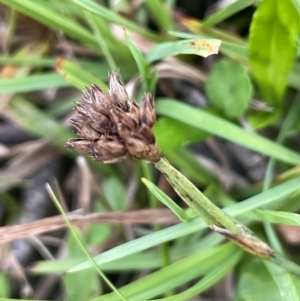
point(195, 199)
point(212, 215)
point(102, 275)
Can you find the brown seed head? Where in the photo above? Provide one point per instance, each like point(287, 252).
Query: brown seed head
point(147, 111)
point(101, 101)
point(117, 91)
point(81, 145)
point(112, 127)
point(109, 150)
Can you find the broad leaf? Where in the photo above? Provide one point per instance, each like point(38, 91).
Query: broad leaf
point(273, 46)
point(233, 93)
point(260, 283)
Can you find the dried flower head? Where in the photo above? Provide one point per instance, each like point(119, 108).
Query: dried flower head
point(112, 127)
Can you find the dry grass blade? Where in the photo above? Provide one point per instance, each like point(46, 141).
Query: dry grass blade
point(145, 217)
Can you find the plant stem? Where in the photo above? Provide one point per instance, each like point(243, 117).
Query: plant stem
point(212, 215)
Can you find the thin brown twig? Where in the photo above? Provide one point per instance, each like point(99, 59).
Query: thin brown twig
point(49, 224)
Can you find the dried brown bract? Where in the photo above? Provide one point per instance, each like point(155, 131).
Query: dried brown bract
point(112, 127)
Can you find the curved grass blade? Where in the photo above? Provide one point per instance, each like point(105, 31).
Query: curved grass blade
point(275, 217)
point(266, 198)
point(52, 19)
point(208, 280)
point(167, 201)
point(148, 77)
point(37, 122)
point(160, 13)
point(77, 76)
point(111, 16)
point(79, 242)
point(202, 47)
point(34, 82)
point(222, 128)
point(27, 61)
point(172, 276)
point(227, 12)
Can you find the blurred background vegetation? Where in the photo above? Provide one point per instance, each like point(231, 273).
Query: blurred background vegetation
point(226, 76)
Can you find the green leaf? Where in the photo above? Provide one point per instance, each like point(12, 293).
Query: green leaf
point(222, 128)
point(171, 133)
point(297, 5)
point(227, 11)
point(202, 47)
point(273, 46)
point(260, 120)
point(235, 50)
point(233, 93)
point(259, 283)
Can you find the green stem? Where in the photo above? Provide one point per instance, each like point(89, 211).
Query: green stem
point(212, 215)
point(195, 199)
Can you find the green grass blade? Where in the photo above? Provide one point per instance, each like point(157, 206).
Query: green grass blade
point(27, 61)
point(91, 19)
point(194, 198)
point(77, 76)
point(227, 12)
point(34, 82)
point(263, 199)
point(160, 13)
point(140, 60)
point(111, 16)
point(52, 19)
point(275, 217)
point(208, 280)
point(191, 46)
point(167, 201)
point(173, 275)
point(39, 123)
point(79, 242)
point(222, 128)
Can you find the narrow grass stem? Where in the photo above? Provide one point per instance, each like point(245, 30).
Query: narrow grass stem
point(213, 216)
point(102, 275)
point(195, 199)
